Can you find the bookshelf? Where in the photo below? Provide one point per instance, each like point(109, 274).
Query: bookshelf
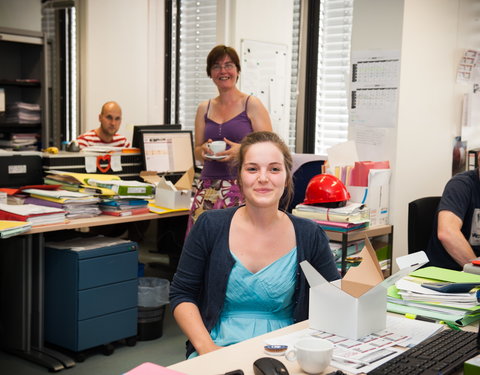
point(23, 79)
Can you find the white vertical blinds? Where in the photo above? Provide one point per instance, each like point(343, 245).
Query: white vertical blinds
point(197, 37)
point(335, 29)
point(294, 75)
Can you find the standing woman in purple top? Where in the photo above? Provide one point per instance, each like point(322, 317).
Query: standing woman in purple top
point(229, 117)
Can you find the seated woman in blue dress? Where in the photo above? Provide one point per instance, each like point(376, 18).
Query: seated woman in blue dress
point(239, 275)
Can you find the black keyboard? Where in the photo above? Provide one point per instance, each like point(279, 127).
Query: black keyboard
point(440, 354)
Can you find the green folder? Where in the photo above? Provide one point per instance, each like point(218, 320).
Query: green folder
point(460, 316)
point(443, 274)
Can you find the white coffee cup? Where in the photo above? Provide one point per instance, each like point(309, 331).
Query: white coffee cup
point(217, 146)
point(312, 354)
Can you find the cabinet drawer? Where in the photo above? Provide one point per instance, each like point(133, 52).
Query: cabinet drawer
point(107, 299)
point(107, 269)
point(106, 329)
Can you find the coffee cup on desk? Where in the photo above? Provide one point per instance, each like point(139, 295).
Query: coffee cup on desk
point(312, 354)
point(217, 146)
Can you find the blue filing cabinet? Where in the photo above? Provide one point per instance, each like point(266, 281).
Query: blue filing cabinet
point(91, 295)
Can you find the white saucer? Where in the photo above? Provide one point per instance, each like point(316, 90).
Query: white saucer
point(213, 157)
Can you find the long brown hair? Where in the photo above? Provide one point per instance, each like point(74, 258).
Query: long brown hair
point(266, 136)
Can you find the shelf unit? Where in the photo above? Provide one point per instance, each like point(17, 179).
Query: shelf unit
point(346, 237)
point(23, 77)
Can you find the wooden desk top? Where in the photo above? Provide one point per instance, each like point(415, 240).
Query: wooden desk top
point(243, 354)
point(240, 356)
point(102, 220)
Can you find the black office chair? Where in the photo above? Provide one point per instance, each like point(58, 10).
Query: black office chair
point(301, 178)
point(421, 215)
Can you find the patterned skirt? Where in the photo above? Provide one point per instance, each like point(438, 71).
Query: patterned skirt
point(214, 194)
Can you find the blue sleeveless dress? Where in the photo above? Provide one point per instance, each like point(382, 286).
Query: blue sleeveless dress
point(256, 303)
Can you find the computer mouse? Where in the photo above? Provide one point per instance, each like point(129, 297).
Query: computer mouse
point(269, 366)
point(73, 146)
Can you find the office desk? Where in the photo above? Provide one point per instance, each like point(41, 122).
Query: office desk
point(240, 356)
point(22, 289)
point(243, 354)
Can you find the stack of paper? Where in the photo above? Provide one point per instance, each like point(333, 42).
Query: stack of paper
point(124, 207)
point(76, 205)
point(9, 228)
point(31, 213)
point(407, 296)
point(19, 141)
point(354, 213)
point(23, 113)
point(340, 227)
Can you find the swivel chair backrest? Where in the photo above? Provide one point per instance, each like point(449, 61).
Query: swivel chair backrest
point(421, 216)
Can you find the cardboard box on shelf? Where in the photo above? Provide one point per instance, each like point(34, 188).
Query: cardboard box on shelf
point(356, 305)
point(169, 195)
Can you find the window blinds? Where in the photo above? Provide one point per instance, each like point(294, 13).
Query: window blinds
point(333, 69)
point(197, 37)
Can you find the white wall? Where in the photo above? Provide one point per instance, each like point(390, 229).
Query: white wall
point(121, 59)
point(268, 21)
point(427, 107)
point(468, 38)
point(431, 35)
point(21, 14)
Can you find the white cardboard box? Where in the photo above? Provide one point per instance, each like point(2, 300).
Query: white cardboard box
point(356, 305)
point(171, 196)
point(173, 199)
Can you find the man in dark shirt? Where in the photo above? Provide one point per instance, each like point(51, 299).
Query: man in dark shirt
point(455, 239)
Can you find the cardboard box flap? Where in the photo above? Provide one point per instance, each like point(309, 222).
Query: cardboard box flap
point(150, 176)
point(412, 259)
point(360, 279)
point(311, 274)
point(408, 264)
point(186, 181)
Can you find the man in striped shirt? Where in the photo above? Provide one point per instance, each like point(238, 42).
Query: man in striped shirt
point(106, 134)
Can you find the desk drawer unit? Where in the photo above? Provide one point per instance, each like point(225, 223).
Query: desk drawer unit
point(90, 295)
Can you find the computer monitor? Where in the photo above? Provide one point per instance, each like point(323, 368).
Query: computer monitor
point(139, 129)
point(167, 152)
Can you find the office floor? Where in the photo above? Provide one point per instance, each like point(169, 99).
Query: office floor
point(166, 350)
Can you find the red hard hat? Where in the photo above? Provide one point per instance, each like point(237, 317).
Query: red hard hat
point(326, 189)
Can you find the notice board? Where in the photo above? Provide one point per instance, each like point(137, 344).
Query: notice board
point(264, 75)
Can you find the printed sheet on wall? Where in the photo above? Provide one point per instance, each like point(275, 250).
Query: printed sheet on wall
point(264, 75)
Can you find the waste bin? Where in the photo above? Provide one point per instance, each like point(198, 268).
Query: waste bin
point(152, 298)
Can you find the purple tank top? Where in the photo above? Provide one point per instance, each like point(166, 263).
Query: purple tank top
point(234, 130)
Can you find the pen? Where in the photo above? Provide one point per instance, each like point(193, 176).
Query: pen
point(450, 325)
point(419, 317)
point(425, 319)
